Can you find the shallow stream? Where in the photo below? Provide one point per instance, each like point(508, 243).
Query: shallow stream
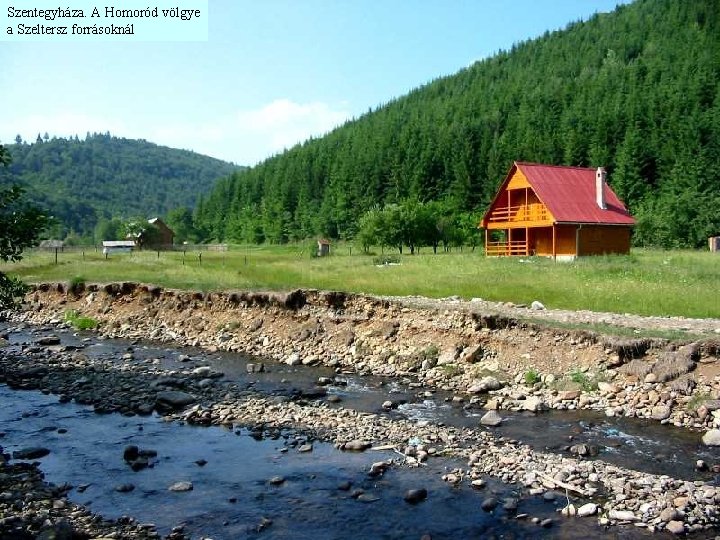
point(232, 496)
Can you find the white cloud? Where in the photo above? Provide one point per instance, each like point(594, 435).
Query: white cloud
point(284, 123)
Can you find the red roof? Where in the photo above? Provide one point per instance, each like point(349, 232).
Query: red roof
point(569, 194)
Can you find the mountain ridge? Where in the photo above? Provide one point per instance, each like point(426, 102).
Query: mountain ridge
point(81, 182)
point(634, 90)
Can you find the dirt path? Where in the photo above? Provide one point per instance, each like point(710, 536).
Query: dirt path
point(583, 317)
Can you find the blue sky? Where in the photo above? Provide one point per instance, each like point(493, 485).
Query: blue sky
point(272, 73)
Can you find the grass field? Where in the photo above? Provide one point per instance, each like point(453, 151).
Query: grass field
point(646, 282)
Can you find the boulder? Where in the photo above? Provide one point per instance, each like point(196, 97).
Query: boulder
point(35, 452)
point(202, 371)
point(181, 486)
point(471, 354)
point(712, 404)
point(607, 388)
point(131, 453)
point(293, 360)
point(565, 395)
point(489, 504)
point(491, 418)
point(669, 514)
point(660, 412)
point(414, 496)
point(533, 404)
point(588, 509)
point(172, 400)
point(486, 384)
point(622, 515)
point(712, 437)
point(447, 357)
point(676, 527)
point(356, 446)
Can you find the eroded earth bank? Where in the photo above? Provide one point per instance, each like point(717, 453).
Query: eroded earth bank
point(480, 361)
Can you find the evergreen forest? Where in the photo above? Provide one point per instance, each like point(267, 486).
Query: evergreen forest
point(85, 183)
point(635, 90)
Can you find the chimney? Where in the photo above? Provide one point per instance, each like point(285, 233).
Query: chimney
point(600, 176)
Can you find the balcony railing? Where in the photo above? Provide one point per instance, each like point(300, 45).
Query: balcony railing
point(525, 212)
point(506, 249)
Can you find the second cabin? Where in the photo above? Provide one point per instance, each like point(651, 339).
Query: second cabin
point(559, 212)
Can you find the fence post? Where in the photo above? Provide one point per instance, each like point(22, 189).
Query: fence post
point(183, 257)
point(200, 257)
point(56, 250)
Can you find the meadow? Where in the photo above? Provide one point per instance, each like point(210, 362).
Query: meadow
point(647, 282)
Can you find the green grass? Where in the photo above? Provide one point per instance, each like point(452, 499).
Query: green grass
point(531, 377)
point(78, 322)
point(648, 282)
point(697, 400)
point(585, 381)
point(615, 330)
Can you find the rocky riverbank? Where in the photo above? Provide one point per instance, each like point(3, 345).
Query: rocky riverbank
point(470, 353)
point(31, 508)
point(483, 359)
point(193, 393)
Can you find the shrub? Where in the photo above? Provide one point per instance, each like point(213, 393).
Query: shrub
point(531, 377)
point(697, 400)
point(451, 370)
point(586, 382)
point(77, 285)
point(386, 259)
point(79, 322)
point(431, 352)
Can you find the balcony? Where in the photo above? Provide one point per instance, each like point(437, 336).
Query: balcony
point(523, 214)
point(507, 249)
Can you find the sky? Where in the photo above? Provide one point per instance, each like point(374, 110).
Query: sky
point(271, 74)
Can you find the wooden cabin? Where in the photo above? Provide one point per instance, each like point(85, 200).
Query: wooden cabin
point(554, 211)
point(165, 233)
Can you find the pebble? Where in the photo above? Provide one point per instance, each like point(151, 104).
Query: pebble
point(181, 486)
point(414, 496)
point(489, 504)
point(588, 509)
point(356, 445)
point(622, 515)
point(676, 527)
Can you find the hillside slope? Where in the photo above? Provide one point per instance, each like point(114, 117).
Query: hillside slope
point(82, 181)
point(635, 90)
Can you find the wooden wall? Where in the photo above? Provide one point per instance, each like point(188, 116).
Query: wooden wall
point(599, 239)
point(541, 240)
point(594, 240)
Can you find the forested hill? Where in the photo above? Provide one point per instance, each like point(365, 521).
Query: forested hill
point(82, 181)
point(635, 90)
